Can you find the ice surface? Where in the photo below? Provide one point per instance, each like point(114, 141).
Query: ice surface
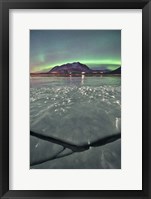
point(105, 157)
point(41, 150)
point(76, 113)
point(76, 110)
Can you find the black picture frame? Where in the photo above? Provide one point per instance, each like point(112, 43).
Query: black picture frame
point(5, 5)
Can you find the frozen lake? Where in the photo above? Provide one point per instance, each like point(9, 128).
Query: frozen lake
point(67, 113)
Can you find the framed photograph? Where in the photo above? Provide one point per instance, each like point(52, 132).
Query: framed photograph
point(72, 114)
point(75, 99)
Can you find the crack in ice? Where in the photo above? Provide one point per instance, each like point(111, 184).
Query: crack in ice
point(73, 147)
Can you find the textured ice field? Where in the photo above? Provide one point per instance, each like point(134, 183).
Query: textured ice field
point(76, 111)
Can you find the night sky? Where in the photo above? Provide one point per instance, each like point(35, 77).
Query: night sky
point(98, 49)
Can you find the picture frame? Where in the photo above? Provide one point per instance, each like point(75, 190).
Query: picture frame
point(4, 103)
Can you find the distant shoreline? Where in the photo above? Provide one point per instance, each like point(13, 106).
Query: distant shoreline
point(69, 75)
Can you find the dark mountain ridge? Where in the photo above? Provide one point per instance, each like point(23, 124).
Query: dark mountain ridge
point(76, 68)
point(71, 68)
point(117, 71)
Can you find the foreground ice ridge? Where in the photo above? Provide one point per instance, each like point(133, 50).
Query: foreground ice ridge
point(68, 148)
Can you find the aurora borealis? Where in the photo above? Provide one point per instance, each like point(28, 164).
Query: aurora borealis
point(98, 49)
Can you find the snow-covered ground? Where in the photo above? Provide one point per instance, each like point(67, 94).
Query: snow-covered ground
point(76, 111)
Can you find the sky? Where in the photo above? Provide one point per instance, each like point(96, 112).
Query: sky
point(98, 49)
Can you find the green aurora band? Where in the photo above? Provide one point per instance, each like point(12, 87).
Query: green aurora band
point(111, 64)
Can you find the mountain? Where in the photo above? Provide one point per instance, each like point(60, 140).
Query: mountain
point(75, 67)
point(117, 71)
